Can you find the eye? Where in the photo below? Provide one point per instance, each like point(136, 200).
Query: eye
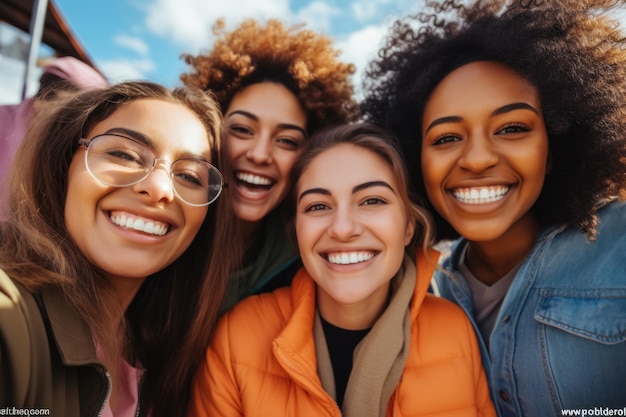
point(289, 143)
point(240, 131)
point(123, 156)
point(371, 201)
point(446, 138)
point(513, 128)
point(315, 207)
point(190, 173)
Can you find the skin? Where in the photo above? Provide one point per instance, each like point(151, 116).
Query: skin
point(484, 133)
point(351, 233)
point(265, 125)
point(128, 256)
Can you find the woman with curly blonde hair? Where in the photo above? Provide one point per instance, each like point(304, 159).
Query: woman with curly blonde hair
point(276, 86)
point(511, 115)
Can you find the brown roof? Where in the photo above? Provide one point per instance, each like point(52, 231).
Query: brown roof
point(56, 34)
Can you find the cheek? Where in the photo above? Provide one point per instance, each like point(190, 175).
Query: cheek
point(306, 232)
point(194, 217)
point(235, 147)
point(432, 176)
point(286, 161)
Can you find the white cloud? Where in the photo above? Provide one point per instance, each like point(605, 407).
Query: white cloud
point(317, 16)
point(126, 70)
point(365, 11)
point(189, 22)
point(133, 43)
point(360, 48)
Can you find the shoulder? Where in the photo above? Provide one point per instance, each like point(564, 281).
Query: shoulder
point(16, 303)
point(256, 317)
point(24, 354)
point(573, 249)
point(440, 310)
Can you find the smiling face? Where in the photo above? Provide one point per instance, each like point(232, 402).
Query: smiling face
point(352, 228)
point(484, 151)
point(265, 125)
point(134, 231)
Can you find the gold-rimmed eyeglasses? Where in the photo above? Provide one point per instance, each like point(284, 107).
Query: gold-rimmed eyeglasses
point(118, 161)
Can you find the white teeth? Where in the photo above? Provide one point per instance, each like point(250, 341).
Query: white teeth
point(347, 258)
point(141, 225)
point(253, 179)
point(480, 195)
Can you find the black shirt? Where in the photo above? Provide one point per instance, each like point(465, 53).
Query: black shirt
point(341, 344)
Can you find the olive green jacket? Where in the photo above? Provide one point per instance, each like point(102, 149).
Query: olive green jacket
point(47, 355)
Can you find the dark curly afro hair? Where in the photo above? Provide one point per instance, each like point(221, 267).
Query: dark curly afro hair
point(571, 50)
point(302, 60)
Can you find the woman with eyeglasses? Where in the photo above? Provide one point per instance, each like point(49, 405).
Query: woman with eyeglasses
point(107, 295)
point(276, 85)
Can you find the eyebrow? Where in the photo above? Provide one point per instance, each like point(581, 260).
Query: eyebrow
point(132, 134)
point(149, 143)
point(256, 119)
point(355, 189)
point(501, 110)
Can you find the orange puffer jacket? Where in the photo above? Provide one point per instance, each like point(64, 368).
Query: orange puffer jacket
point(262, 360)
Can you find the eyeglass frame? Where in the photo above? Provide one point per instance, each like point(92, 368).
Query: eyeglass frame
point(87, 142)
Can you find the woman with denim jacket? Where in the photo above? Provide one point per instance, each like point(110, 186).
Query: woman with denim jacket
point(107, 295)
point(519, 146)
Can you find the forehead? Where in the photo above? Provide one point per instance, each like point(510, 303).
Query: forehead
point(344, 166)
point(482, 83)
point(172, 127)
point(269, 101)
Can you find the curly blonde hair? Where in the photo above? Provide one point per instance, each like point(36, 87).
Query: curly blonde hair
point(303, 61)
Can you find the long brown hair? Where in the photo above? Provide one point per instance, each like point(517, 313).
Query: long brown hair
point(170, 321)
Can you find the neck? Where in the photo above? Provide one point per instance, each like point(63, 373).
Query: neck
point(353, 316)
point(126, 288)
point(492, 260)
point(249, 233)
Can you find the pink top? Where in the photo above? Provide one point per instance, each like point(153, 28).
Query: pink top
point(127, 391)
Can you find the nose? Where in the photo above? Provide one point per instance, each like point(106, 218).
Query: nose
point(344, 224)
point(479, 153)
point(260, 151)
point(158, 184)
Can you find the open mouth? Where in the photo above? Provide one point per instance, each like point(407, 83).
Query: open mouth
point(253, 181)
point(349, 258)
point(151, 227)
point(480, 195)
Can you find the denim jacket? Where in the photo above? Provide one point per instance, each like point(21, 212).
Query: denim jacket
point(560, 338)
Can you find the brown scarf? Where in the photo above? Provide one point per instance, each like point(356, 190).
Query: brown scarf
point(379, 358)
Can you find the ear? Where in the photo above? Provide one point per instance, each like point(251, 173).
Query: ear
point(410, 230)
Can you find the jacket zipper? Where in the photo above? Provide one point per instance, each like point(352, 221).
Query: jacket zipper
point(108, 392)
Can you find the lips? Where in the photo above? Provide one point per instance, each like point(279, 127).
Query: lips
point(141, 224)
point(349, 258)
point(480, 195)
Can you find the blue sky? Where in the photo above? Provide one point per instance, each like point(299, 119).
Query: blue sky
point(143, 39)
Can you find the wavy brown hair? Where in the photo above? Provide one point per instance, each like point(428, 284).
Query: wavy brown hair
point(170, 321)
point(572, 51)
point(303, 61)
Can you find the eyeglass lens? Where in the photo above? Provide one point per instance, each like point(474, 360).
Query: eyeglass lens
point(119, 161)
